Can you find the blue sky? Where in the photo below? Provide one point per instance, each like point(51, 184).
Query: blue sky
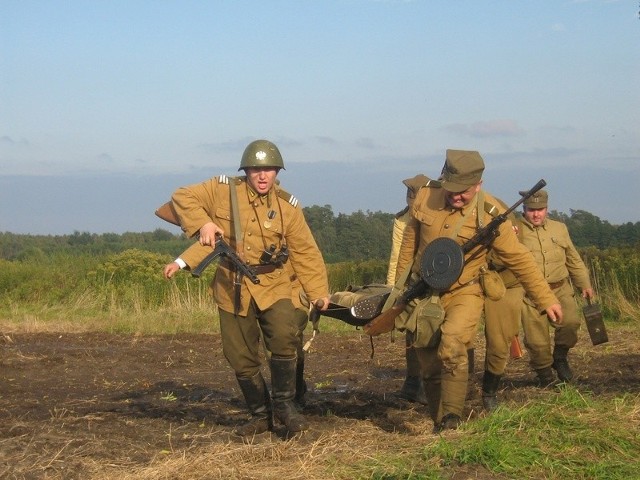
point(107, 106)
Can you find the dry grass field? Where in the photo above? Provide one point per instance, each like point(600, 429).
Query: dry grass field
point(98, 406)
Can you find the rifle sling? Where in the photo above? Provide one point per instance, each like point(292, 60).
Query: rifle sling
point(397, 288)
point(237, 232)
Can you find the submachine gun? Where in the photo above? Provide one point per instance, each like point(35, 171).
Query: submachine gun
point(441, 265)
point(221, 248)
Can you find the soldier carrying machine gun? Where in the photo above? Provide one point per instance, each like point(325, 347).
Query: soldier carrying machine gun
point(441, 265)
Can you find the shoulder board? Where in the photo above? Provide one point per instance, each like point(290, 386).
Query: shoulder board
point(287, 197)
point(491, 209)
point(226, 180)
point(433, 184)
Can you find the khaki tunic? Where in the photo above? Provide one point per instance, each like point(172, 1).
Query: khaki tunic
point(209, 201)
point(562, 266)
point(432, 218)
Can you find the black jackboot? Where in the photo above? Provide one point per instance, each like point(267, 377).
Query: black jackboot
point(546, 377)
point(413, 390)
point(283, 390)
point(450, 421)
point(561, 364)
point(301, 385)
point(256, 395)
point(490, 384)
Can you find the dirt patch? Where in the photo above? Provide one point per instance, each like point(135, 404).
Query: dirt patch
point(82, 405)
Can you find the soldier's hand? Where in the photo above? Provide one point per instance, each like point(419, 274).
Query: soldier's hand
point(554, 313)
point(208, 233)
point(321, 304)
point(170, 269)
point(588, 293)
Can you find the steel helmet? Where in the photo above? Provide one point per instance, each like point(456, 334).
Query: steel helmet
point(261, 153)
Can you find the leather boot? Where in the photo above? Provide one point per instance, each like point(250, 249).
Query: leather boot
point(301, 385)
point(546, 377)
point(490, 384)
point(283, 388)
point(256, 395)
point(433, 393)
point(561, 364)
point(450, 421)
point(413, 390)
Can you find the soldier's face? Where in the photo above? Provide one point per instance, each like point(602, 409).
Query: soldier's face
point(460, 199)
point(261, 178)
point(535, 216)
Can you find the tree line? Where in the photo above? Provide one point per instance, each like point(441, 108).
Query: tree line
point(357, 236)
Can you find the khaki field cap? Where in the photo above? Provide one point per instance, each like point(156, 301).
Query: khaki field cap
point(462, 170)
point(539, 199)
point(415, 183)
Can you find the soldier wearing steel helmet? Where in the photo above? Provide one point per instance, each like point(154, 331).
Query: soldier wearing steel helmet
point(456, 207)
point(267, 224)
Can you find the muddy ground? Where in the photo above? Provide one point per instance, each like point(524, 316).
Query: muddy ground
point(72, 405)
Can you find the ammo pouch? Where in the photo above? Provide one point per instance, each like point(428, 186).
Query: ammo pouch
point(492, 284)
point(423, 319)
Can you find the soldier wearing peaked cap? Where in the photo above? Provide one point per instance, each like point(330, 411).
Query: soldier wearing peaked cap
point(456, 207)
point(563, 269)
point(267, 227)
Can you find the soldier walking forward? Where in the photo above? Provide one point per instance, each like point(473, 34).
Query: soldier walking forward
point(563, 269)
point(456, 207)
point(269, 232)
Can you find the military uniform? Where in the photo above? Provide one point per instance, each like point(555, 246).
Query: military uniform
point(270, 309)
point(432, 217)
point(210, 200)
point(501, 325)
point(412, 388)
point(563, 269)
point(501, 318)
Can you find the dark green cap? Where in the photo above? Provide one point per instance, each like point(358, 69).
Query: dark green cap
point(462, 169)
point(540, 199)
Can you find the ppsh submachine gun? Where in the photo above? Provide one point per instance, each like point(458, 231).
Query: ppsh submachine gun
point(220, 249)
point(441, 265)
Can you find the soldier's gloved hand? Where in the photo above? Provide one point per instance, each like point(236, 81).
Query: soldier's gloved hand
point(208, 233)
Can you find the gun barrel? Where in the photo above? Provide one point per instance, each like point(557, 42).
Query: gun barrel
point(541, 183)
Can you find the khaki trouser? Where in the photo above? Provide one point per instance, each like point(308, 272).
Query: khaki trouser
point(537, 339)
point(450, 359)
point(501, 324)
point(279, 324)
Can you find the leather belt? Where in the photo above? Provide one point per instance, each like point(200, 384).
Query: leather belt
point(262, 269)
point(558, 284)
point(468, 284)
point(259, 269)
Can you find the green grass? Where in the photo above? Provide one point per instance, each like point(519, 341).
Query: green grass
point(570, 435)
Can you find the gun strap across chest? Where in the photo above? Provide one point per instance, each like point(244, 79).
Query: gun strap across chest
point(397, 288)
point(237, 232)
